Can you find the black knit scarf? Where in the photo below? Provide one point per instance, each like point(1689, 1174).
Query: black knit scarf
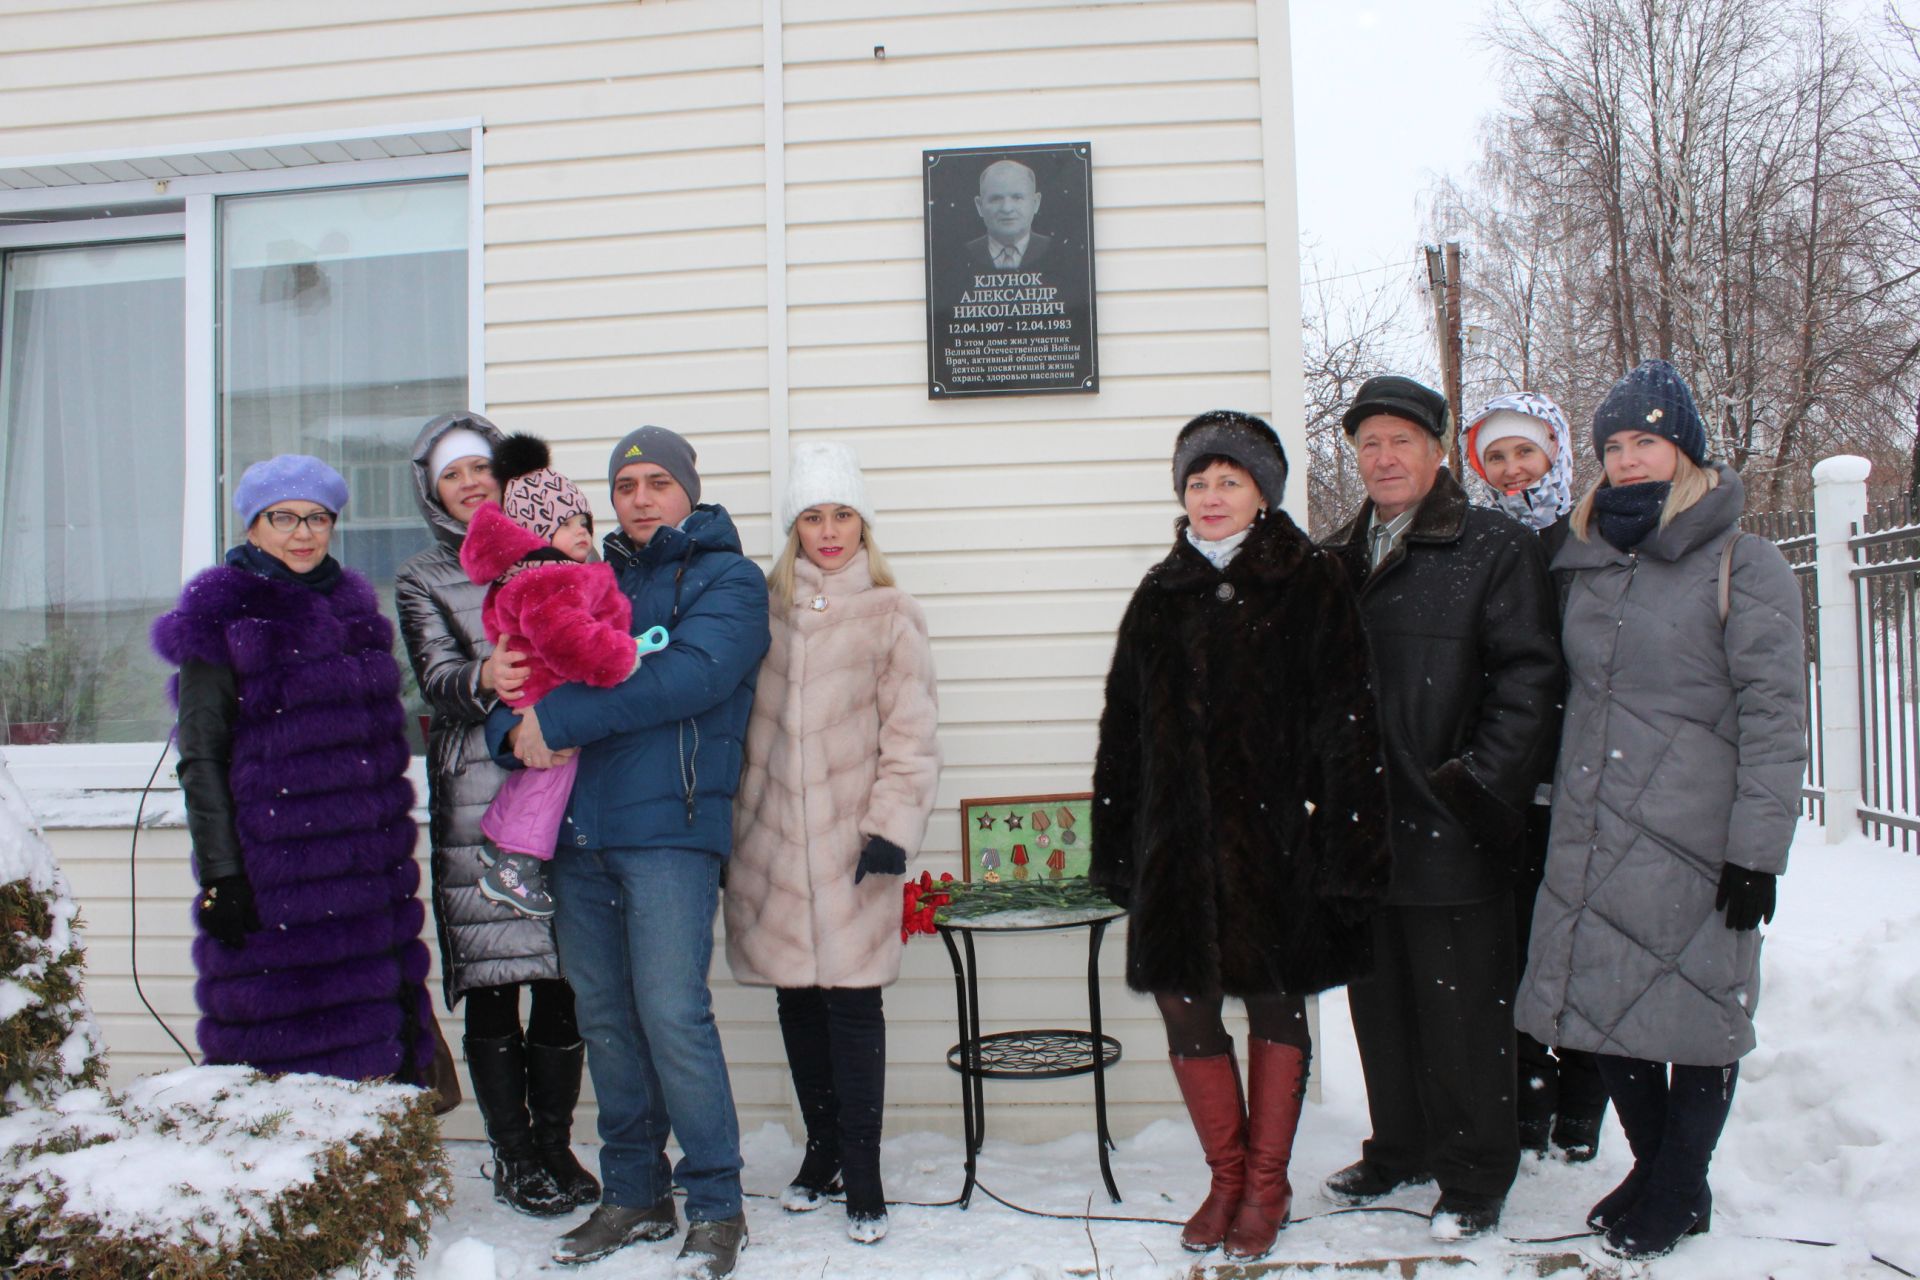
point(323, 577)
point(1629, 513)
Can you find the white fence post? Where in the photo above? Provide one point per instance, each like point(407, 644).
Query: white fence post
point(1839, 503)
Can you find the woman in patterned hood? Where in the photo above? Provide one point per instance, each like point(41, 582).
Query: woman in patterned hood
point(293, 761)
point(1519, 445)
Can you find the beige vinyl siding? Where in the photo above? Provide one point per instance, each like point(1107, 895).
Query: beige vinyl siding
point(626, 282)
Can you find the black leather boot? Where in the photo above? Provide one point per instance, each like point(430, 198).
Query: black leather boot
point(553, 1090)
point(499, 1071)
point(1538, 1095)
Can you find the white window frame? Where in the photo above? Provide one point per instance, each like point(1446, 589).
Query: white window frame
point(97, 784)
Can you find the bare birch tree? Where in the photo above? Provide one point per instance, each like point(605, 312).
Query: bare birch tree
point(1721, 183)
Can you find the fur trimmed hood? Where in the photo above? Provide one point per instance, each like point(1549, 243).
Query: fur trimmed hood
point(495, 544)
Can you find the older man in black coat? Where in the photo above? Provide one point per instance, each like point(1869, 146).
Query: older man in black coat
point(1459, 612)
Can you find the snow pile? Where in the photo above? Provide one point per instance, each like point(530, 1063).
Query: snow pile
point(49, 1041)
point(219, 1171)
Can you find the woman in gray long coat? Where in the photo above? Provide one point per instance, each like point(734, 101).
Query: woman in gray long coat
point(525, 1083)
point(1675, 799)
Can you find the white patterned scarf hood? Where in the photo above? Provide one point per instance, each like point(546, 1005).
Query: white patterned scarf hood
point(1551, 496)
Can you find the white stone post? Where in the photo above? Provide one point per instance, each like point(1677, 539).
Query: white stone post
point(1839, 504)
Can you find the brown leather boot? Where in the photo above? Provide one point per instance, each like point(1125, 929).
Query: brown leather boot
point(1276, 1083)
point(1211, 1087)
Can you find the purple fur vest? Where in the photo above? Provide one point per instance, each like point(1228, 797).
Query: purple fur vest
point(333, 983)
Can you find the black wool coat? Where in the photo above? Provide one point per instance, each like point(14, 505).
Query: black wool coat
point(1240, 807)
point(1463, 624)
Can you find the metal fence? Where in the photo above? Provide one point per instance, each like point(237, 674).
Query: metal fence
point(1792, 532)
point(1886, 585)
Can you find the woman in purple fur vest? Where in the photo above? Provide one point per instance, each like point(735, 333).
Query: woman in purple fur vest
point(293, 761)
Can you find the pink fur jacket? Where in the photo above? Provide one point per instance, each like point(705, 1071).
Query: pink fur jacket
point(841, 746)
point(573, 617)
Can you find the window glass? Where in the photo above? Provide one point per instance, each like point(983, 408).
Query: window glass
point(343, 328)
point(91, 425)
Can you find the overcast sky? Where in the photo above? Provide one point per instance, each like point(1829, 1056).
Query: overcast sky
point(1387, 94)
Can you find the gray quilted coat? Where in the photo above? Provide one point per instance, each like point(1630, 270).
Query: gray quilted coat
point(481, 944)
point(1682, 750)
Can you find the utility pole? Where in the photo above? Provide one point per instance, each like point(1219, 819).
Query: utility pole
point(1443, 286)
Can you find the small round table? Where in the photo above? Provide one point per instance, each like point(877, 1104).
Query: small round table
point(1037, 1054)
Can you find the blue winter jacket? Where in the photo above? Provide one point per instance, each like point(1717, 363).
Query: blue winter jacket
point(660, 753)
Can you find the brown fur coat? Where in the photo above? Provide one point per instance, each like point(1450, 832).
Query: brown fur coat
point(1240, 806)
point(841, 746)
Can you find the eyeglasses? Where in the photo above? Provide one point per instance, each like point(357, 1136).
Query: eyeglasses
point(286, 521)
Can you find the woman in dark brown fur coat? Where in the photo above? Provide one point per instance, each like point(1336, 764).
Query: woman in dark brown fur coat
point(1240, 809)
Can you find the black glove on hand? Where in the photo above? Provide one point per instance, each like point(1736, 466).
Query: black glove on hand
point(227, 911)
point(880, 857)
point(1746, 896)
point(1120, 895)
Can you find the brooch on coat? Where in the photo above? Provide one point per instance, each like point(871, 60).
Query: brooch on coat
point(818, 604)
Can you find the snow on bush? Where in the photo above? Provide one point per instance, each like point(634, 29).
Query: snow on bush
point(203, 1172)
point(220, 1172)
point(49, 1042)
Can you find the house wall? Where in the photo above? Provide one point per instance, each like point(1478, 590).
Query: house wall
point(627, 231)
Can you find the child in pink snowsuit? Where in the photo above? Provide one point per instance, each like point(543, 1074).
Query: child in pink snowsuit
point(553, 601)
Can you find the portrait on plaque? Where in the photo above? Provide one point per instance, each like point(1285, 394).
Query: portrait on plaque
point(1009, 245)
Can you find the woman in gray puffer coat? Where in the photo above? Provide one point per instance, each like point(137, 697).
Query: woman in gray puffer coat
point(525, 1083)
point(1675, 799)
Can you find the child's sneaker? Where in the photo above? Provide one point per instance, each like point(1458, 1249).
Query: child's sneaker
point(516, 880)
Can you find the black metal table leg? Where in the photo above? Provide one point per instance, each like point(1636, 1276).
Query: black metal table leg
point(969, 1046)
point(978, 1076)
point(1105, 1139)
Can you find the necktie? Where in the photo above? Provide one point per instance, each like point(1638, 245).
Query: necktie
point(1006, 258)
point(1382, 540)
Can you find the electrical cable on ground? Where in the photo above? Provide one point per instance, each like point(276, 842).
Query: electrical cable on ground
point(983, 1189)
point(133, 899)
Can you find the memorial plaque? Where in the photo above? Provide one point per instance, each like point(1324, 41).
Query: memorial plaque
point(1009, 245)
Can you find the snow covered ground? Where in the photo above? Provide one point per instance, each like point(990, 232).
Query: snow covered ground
point(1824, 1145)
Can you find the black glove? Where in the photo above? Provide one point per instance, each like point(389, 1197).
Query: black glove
point(227, 911)
point(1120, 895)
point(1746, 896)
point(880, 857)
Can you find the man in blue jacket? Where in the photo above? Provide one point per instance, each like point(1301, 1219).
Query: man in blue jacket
point(636, 877)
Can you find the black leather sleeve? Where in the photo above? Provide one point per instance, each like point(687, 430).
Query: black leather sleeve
point(209, 703)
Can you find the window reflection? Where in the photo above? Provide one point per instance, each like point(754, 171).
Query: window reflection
point(91, 410)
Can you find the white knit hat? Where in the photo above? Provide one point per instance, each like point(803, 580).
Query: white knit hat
point(1508, 424)
point(824, 472)
point(454, 445)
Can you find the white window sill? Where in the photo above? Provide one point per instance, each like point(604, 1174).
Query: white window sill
point(100, 785)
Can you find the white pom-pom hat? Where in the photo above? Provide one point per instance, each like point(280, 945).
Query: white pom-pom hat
point(824, 472)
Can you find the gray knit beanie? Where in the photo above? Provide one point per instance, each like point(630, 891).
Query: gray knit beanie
point(666, 449)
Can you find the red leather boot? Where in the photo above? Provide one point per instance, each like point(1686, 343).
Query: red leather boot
point(1276, 1083)
point(1211, 1087)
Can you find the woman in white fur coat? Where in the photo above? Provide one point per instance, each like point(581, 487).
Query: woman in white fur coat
point(840, 773)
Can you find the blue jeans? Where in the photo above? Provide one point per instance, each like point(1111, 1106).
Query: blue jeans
point(635, 931)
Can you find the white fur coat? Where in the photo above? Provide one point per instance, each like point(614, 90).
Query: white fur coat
point(841, 746)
